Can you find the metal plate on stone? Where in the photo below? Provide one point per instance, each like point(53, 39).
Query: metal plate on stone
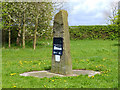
point(57, 45)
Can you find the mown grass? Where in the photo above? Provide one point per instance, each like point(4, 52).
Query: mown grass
point(98, 55)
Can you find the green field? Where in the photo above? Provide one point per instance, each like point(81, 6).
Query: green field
point(99, 55)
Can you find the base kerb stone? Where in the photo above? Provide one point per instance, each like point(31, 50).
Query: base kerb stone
point(48, 74)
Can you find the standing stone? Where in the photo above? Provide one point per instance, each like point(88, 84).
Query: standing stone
point(61, 36)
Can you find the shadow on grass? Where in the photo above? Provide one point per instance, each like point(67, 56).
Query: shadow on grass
point(47, 68)
point(30, 44)
point(116, 45)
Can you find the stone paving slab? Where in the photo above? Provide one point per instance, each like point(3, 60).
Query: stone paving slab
point(48, 74)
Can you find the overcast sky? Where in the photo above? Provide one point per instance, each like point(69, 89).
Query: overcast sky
point(88, 12)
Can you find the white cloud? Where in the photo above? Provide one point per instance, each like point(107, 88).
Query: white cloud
point(88, 10)
point(89, 5)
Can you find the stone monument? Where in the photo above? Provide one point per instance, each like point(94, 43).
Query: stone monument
point(61, 59)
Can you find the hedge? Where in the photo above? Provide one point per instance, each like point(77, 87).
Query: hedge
point(76, 32)
point(94, 32)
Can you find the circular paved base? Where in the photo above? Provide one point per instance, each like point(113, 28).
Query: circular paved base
point(48, 74)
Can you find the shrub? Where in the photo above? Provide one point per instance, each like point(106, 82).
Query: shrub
point(94, 32)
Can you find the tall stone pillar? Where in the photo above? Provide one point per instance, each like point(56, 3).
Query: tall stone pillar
point(61, 59)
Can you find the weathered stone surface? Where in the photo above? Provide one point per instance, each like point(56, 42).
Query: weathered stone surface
point(61, 29)
point(48, 74)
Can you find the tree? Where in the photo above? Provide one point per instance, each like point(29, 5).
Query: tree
point(119, 13)
point(28, 19)
point(7, 18)
point(112, 16)
point(40, 17)
point(25, 6)
point(18, 16)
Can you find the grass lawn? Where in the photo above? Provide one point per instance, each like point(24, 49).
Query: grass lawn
point(99, 55)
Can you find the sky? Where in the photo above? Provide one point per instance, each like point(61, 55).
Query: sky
point(88, 12)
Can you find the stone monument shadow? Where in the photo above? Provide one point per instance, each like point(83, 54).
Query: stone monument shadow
point(116, 45)
point(47, 68)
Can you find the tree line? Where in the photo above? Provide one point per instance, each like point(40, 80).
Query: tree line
point(26, 19)
point(23, 21)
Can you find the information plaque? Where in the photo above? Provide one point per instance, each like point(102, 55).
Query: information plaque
point(57, 46)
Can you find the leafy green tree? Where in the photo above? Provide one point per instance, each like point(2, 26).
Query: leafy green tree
point(7, 18)
point(31, 19)
point(40, 18)
point(18, 16)
point(113, 16)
